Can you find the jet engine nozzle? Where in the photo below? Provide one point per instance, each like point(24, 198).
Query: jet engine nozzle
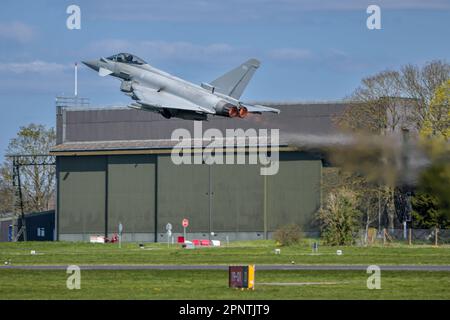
point(243, 112)
point(227, 109)
point(233, 112)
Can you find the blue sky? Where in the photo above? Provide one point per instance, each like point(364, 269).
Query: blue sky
point(309, 49)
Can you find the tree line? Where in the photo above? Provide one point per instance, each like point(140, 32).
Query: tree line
point(377, 182)
point(366, 188)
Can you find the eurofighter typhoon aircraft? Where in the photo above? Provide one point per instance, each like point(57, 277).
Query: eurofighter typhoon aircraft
point(157, 91)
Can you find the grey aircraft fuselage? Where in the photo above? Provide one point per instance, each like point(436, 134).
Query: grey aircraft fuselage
point(158, 91)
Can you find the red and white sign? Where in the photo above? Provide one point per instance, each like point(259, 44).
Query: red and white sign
point(185, 223)
point(97, 239)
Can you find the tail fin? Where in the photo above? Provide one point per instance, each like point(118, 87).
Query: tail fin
point(233, 83)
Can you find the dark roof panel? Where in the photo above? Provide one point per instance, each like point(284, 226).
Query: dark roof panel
point(123, 128)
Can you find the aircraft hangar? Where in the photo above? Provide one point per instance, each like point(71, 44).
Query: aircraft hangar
point(114, 166)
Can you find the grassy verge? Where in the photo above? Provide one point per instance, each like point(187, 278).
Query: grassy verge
point(210, 284)
point(245, 252)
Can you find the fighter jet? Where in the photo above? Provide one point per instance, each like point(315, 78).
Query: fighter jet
point(157, 91)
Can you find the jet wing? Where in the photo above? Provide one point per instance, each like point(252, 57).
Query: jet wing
point(259, 109)
point(163, 100)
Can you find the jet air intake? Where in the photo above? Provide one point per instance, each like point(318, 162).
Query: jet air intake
point(126, 86)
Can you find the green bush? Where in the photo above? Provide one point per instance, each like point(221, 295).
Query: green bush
point(288, 235)
point(339, 218)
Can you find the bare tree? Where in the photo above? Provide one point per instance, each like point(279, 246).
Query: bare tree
point(384, 104)
point(38, 182)
point(6, 190)
point(391, 99)
point(371, 199)
point(420, 84)
point(374, 108)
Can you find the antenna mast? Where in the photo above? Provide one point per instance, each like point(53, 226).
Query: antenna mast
point(76, 79)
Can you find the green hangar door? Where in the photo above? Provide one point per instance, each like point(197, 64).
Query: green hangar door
point(238, 199)
point(81, 198)
point(182, 193)
point(293, 194)
point(215, 198)
point(131, 196)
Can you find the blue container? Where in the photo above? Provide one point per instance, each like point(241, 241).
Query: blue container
point(10, 233)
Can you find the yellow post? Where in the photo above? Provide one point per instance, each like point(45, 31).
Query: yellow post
point(251, 276)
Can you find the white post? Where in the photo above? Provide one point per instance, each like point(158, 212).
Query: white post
point(169, 235)
point(184, 233)
point(404, 230)
point(76, 79)
point(120, 234)
point(436, 231)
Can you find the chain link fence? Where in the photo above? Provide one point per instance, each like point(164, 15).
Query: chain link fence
point(431, 236)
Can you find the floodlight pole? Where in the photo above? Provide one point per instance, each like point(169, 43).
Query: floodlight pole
point(76, 79)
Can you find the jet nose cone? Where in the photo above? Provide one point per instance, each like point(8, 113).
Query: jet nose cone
point(93, 64)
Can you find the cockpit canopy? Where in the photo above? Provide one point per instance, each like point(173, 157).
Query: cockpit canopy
point(127, 58)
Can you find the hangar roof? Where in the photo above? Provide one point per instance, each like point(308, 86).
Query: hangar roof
point(81, 130)
point(153, 146)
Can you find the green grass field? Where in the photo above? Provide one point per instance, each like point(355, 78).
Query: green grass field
point(213, 284)
point(245, 252)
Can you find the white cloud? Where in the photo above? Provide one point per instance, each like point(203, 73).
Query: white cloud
point(293, 54)
point(342, 61)
point(173, 11)
point(163, 50)
point(36, 66)
point(17, 31)
point(346, 5)
point(234, 11)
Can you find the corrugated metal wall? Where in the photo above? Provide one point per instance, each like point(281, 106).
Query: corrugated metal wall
point(182, 193)
point(238, 198)
point(294, 193)
point(131, 193)
point(99, 190)
point(82, 191)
